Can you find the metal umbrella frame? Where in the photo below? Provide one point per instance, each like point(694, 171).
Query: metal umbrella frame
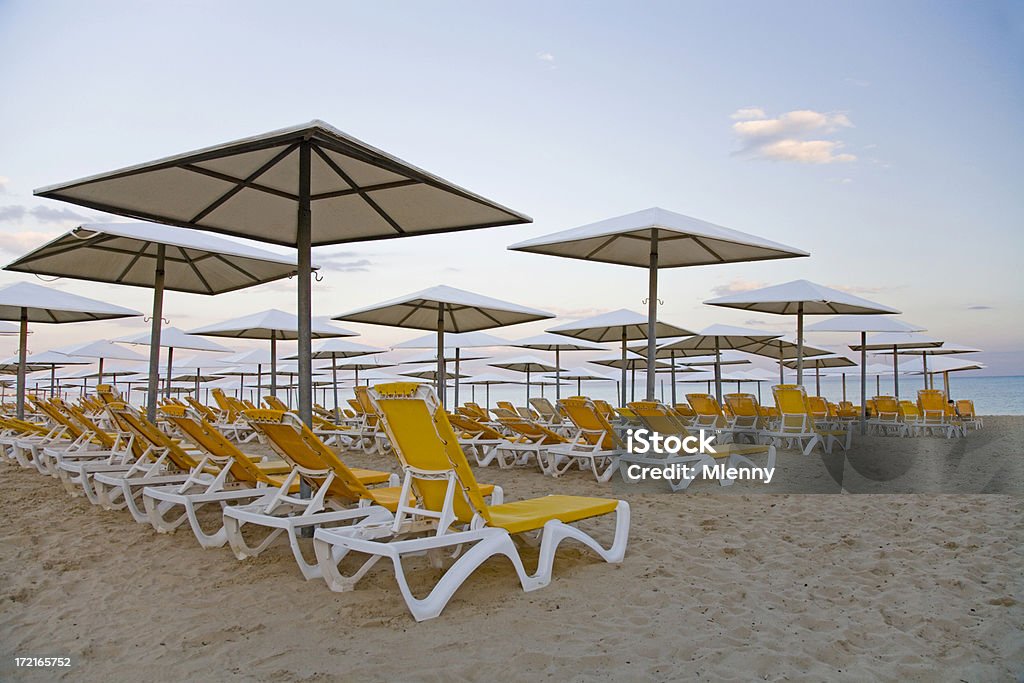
point(173, 338)
point(528, 365)
point(656, 238)
point(547, 341)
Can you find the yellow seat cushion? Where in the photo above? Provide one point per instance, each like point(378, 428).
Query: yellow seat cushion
point(369, 477)
point(533, 513)
point(727, 449)
point(274, 467)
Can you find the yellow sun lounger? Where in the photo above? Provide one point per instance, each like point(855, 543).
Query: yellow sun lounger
point(797, 425)
point(449, 499)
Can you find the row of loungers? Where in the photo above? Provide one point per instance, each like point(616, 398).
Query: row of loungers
point(192, 469)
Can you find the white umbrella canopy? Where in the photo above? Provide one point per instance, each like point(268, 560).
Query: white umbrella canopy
point(527, 365)
point(863, 324)
point(800, 298)
point(581, 374)
point(924, 352)
point(160, 257)
point(356, 364)
point(892, 342)
point(444, 309)
point(617, 326)
point(102, 350)
point(335, 348)
point(454, 340)
point(547, 341)
point(275, 325)
point(450, 355)
point(487, 380)
point(655, 238)
point(818, 362)
point(172, 338)
point(429, 372)
point(716, 338)
point(8, 329)
point(302, 186)
point(50, 360)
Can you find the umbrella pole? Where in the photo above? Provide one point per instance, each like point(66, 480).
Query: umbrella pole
point(623, 387)
point(440, 386)
point(718, 372)
point(527, 385)
point(170, 366)
point(673, 376)
point(457, 363)
point(924, 366)
point(154, 336)
point(22, 353)
point(579, 386)
point(632, 382)
point(488, 392)
point(53, 379)
point(878, 385)
point(945, 384)
point(652, 313)
point(863, 382)
point(817, 379)
point(273, 363)
point(198, 372)
point(800, 344)
point(558, 374)
point(895, 373)
point(782, 371)
point(334, 381)
point(844, 387)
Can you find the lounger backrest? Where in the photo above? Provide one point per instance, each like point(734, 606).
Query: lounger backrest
point(358, 409)
point(106, 393)
point(100, 436)
point(58, 417)
point(684, 409)
point(148, 433)
point(908, 409)
point(481, 414)
point(274, 403)
point(363, 396)
point(817, 405)
point(423, 439)
point(297, 444)
point(742, 405)
point(605, 408)
point(202, 408)
point(791, 400)
point(931, 400)
point(473, 427)
point(704, 404)
point(546, 409)
point(595, 428)
point(533, 431)
point(209, 439)
point(965, 407)
point(887, 405)
point(507, 405)
point(659, 418)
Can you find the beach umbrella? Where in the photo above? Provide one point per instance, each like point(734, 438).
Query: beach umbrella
point(939, 365)
point(546, 341)
point(451, 355)
point(456, 341)
point(527, 365)
point(892, 342)
point(333, 349)
point(41, 361)
point(621, 326)
point(863, 324)
point(303, 186)
point(173, 338)
point(800, 298)
point(275, 325)
point(581, 375)
point(244, 363)
point(630, 364)
point(925, 352)
point(487, 380)
point(102, 350)
point(716, 338)
point(27, 302)
point(8, 329)
point(819, 362)
point(160, 257)
point(429, 372)
point(357, 364)
point(655, 238)
point(444, 309)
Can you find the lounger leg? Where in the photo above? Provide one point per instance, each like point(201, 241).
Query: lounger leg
point(555, 532)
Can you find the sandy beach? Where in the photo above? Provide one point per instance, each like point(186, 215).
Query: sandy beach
point(725, 587)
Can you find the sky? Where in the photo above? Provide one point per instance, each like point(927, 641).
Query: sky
point(883, 138)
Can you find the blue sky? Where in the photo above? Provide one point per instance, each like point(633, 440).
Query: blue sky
point(882, 137)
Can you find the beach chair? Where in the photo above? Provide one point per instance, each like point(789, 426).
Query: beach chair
point(450, 501)
point(910, 416)
point(886, 419)
point(968, 418)
point(479, 413)
point(338, 494)
point(937, 415)
point(92, 442)
point(798, 426)
point(478, 439)
point(745, 417)
point(547, 412)
point(594, 443)
point(709, 416)
point(369, 435)
point(657, 417)
point(531, 439)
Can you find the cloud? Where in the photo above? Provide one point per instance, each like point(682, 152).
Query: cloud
point(736, 286)
point(545, 56)
point(748, 113)
point(4, 180)
point(575, 313)
point(858, 289)
point(979, 308)
point(21, 241)
point(343, 261)
point(795, 136)
point(12, 213)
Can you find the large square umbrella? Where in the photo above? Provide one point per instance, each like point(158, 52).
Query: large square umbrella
point(864, 324)
point(444, 309)
point(894, 342)
point(655, 238)
point(546, 341)
point(528, 365)
point(456, 341)
point(302, 186)
point(619, 326)
point(170, 339)
point(800, 298)
point(833, 360)
point(333, 349)
point(27, 302)
point(275, 325)
point(157, 256)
